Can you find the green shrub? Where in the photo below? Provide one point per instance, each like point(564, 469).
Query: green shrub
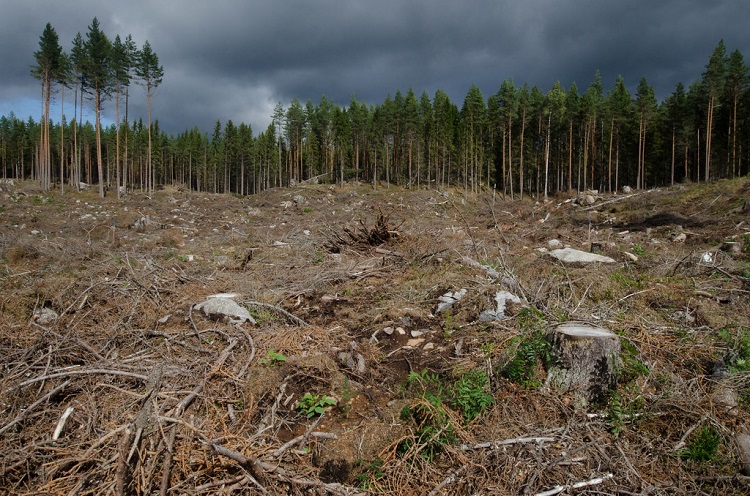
point(470, 395)
point(703, 446)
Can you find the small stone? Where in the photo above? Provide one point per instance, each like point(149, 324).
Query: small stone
point(415, 342)
point(429, 346)
point(45, 316)
point(554, 243)
point(627, 190)
point(400, 330)
point(726, 396)
point(449, 299)
point(388, 330)
point(679, 237)
point(632, 257)
point(743, 444)
point(416, 334)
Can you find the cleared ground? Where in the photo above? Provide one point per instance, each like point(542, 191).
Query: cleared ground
point(97, 315)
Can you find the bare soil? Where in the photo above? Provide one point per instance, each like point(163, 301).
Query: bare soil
point(344, 283)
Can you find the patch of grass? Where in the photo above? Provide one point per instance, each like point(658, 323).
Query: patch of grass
point(703, 445)
point(626, 280)
point(470, 394)
point(311, 405)
point(307, 210)
point(638, 250)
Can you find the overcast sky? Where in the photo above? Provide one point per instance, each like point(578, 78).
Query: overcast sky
point(235, 59)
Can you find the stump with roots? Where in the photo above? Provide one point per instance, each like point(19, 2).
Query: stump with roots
point(584, 359)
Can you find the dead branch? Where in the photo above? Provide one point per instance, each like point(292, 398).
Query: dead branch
point(22, 415)
point(298, 439)
point(577, 485)
point(278, 309)
point(68, 373)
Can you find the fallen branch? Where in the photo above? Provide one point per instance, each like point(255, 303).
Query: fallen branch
point(302, 438)
point(286, 314)
point(61, 423)
point(31, 407)
point(577, 485)
point(505, 442)
point(67, 373)
point(448, 480)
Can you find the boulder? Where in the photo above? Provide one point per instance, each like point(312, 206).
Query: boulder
point(571, 255)
point(225, 309)
point(584, 359)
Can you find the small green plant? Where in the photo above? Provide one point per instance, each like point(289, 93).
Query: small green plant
point(631, 366)
point(470, 396)
point(369, 472)
point(615, 413)
point(746, 243)
point(307, 210)
point(737, 357)
point(638, 250)
point(345, 405)
point(433, 426)
point(274, 358)
point(703, 446)
point(434, 429)
point(312, 405)
point(318, 258)
point(530, 350)
point(448, 325)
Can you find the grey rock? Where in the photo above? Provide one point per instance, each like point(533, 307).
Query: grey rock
point(743, 445)
point(449, 299)
point(45, 316)
point(571, 255)
point(502, 298)
point(225, 309)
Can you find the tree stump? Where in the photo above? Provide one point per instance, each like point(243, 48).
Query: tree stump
point(584, 358)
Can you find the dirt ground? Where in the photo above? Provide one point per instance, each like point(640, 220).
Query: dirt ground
point(113, 382)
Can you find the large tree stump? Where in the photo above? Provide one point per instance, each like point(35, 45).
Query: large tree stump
point(584, 359)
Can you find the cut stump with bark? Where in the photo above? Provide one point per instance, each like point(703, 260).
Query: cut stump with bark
point(584, 359)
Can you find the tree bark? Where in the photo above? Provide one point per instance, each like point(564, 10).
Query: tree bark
point(585, 358)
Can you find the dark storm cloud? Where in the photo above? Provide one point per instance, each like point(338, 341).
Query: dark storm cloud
point(236, 59)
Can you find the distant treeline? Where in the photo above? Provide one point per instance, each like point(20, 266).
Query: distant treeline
point(519, 140)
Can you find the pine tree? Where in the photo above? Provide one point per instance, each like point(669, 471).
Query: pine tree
point(737, 81)
point(98, 74)
point(48, 64)
point(78, 62)
point(714, 81)
point(619, 103)
point(646, 106)
point(121, 66)
point(151, 74)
